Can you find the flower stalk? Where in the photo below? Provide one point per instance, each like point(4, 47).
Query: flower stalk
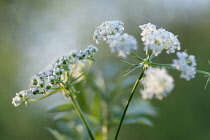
point(45, 96)
point(70, 93)
point(128, 102)
point(168, 66)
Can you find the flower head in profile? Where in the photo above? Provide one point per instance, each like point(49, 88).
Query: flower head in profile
point(122, 43)
point(186, 64)
point(157, 83)
point(22, 96)
point(63, 70)
point(158, 40)
point(107, 29)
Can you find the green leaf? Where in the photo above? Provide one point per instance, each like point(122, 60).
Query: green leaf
point(139, 120)
point(70, 128)
point(61, 108)
point(141, 107)
point(96, 106)
point(56, 134)
point(83, 100)
point(66, 116)
point(136, 113)
point(92, 119)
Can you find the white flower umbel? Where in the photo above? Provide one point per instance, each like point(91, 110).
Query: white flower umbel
point(157, 83)
point(158, 40)
point(62, 71)
point(22, 96)
point(186, 64)
point(122, 43)
point(107, 29)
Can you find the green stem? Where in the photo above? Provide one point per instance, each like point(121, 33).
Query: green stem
point(72, 82)
point(128, 102)
point(203, 72)
point(80, 113)
point(47, 94)
point(136, 56)
point(162, 65)
point(170, 67)
point(152, 57)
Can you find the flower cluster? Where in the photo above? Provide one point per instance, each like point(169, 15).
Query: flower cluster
point(157, 83)
point(107, 29)
point(63, 70)
point(22, 96)
point(122, 44)
point(186, 64)
point(158, 39)
point(111, 32)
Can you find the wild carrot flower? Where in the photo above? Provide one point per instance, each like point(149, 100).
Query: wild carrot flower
point(122, 43)
point(158, 40)
point(63, 70)
point(22, 96)
point(186, 64)
point(107, 29)
point(157, 83)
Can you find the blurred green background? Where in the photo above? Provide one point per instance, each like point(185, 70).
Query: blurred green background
point(34, 32)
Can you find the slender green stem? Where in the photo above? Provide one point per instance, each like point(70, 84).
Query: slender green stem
point(163, 65)
point(207, 81)
point(45, 96)
point(152, 57)
point(203, 72)
point(169, 67)
point(81, 74)
point(158, 64)
point(129, 63)
point(128, 102)
point(136, 56)
point(80, 113)
point(132, 69)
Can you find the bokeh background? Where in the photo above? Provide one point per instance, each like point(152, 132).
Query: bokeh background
point(35, 32)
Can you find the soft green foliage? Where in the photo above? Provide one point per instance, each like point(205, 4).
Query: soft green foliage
point(57, 135)
point(103, 103)
point(60, 108)
point(24, 23)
